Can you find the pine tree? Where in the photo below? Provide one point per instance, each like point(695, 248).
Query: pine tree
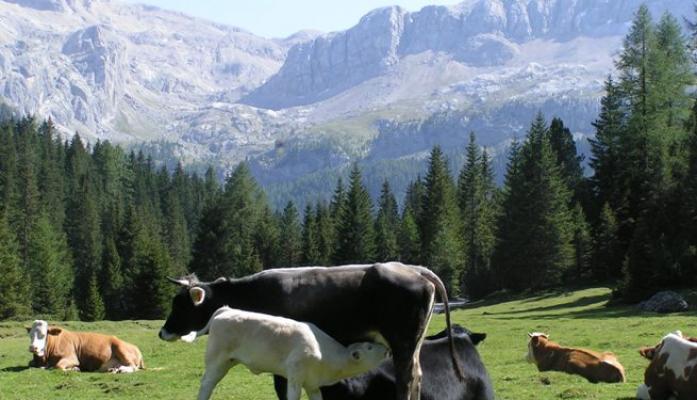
point(582, 244)
point(535, 230)
point(326, 233)
point(408, 238)
point(355, 239)
point(568, 159)
point(476, 197)
point(386, 225)
point(14, 284)
point(441, 247)
point(607, 252)
point(290, 237)
point(111, 282)
point(91, 306)
point(49, 265)
point(267, 238)
point(607, 180)
point(310, 238)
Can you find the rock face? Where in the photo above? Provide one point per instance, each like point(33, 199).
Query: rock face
point(664, 302)
point(302, 108)
point(475, 33)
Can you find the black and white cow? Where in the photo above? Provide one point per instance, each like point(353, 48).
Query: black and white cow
point(439, 380)
point(390, 303)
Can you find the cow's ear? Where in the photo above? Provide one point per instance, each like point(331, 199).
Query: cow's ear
point(356, 355)
point(54, 331)
point(477, 338)
point(198, 295)
point(647, 352)
point(28, 328)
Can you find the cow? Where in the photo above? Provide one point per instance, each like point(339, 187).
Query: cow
point(54, 347)
point(672, 373)
point(390, 303)
point(595, 367)
point(649, 352)
point(439, 380)
point(302, 353)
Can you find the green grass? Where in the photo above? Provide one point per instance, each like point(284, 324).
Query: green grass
point(576, 318)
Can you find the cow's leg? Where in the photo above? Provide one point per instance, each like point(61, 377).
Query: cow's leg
point(294, 390)
point(314, 394)
point(404, 371)
point(68, 364)
point(280, 384)
point(216, 369)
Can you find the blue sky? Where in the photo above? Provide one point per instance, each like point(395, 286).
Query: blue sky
point(280, 18)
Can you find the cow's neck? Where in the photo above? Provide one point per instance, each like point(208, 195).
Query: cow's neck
point(546, 355)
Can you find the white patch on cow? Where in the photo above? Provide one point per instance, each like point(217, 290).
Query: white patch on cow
point(678, 350)
point(198, 295)
point(37, 337)
point(642, 393)
point(188, 338)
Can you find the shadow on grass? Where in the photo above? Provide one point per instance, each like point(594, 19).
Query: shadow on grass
point(14, 369)
point(581, 302)
point(604, 313)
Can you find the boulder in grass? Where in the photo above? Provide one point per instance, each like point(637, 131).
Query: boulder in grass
point(664, 302)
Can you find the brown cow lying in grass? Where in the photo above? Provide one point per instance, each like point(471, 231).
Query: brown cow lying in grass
point(594, 366)
point(77, 351)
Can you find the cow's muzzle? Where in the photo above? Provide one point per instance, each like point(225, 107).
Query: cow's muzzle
point(170, 337)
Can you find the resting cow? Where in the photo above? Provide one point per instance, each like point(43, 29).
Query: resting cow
point(298, 351)
point(649, 352)
point(594, 366)
point(389, 303)
point(672, 373)
point(80, 351)
point(439, 380)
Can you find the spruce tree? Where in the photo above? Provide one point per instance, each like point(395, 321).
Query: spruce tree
point(441, 247)
point(326, 234)
point(408, 238)
point(355, 240)
point(582, 244)
point(608, 255)
point(386, 225)
point(568, 159)
point(310, 238)
point(50, 268)
point(535, 246)
point(14, 284)
point(290, 237)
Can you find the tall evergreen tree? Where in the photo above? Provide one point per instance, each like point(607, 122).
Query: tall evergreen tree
point(441, 247)
point(325, 234)
point(476, 196)
point(562, 142)
point(408, 238)
point(535, 231)
point(355, 239)
point(310, 238)
point(582, 243)
point(386, 225)
point(14, 284)
point(49, 265)
point(608, 255)
point(290, 237)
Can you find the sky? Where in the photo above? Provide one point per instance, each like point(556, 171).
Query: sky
point(281, 18)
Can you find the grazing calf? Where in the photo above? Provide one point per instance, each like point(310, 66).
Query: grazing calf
point(81, 351)
point(390, 303)
point(300, 352)
point(672, 373)
point(596, 367)
point(439, 379)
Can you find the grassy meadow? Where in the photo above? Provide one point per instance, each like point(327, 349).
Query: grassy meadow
point(577, 318)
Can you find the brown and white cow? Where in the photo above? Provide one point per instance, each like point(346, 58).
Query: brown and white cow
point(649, 352)
point(594, 366)
point(55, 347)
point(672, 373)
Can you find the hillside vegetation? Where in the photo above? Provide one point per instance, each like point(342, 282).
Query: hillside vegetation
point(577, 318)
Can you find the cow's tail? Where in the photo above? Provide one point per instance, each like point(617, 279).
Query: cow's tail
point(442, 293)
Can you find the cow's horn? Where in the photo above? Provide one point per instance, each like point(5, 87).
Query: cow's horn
point(180, 282)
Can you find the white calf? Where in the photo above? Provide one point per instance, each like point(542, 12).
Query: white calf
point(300, 352)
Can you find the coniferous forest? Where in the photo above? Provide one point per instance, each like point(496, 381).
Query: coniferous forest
point(92, 231)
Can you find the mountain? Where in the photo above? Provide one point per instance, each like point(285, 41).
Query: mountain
point(302, 109)
point(132, 73)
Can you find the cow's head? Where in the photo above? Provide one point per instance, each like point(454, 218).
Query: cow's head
point(650, 352)
point(367, 355)
point(459, 331)
point(38, 335)
point(191, 310)
point(537, 339)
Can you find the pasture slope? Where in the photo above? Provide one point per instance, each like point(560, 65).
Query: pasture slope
point(576, 318)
